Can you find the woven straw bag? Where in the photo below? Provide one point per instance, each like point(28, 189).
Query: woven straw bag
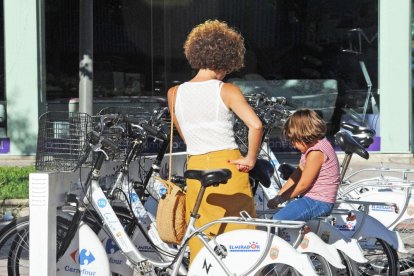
point(171, 222)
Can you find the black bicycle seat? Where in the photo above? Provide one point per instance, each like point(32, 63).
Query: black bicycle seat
point(359, 131)
point(348, 144)
point(262, 171)
point(209, 177)
point(364, 141)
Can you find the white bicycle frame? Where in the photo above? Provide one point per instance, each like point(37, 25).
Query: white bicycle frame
point(382, 189)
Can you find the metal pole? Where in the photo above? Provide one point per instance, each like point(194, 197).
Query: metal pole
point(85, 56)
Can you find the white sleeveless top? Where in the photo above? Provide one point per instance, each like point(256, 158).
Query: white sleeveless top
point(205, 121)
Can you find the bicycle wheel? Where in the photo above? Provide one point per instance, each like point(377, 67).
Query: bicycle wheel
point(382, 258)
point(406, 261)
point(321, 265)
point(14, 245)
point(277, 270)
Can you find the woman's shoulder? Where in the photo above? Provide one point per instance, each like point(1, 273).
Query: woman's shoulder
point(231, 87)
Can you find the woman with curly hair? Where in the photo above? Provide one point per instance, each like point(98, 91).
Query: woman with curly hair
point(203, 111)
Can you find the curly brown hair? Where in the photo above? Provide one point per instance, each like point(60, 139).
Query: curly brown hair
point(304, 125)
point(216, 46)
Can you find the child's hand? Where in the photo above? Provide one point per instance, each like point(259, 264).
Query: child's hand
point(274, 202)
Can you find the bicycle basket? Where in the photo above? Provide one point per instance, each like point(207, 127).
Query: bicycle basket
point(61, 141)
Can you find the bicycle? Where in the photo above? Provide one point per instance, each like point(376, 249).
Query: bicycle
point(391, 183)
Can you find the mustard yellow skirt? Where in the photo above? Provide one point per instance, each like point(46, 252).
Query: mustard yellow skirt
point(221, 201)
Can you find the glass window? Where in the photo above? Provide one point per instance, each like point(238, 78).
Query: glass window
point(3, 105)
point(320, 54)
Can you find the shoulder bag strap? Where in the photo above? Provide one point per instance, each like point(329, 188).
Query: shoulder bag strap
point(171, 131)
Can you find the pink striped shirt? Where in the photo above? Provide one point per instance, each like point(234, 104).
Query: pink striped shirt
point(325, 186)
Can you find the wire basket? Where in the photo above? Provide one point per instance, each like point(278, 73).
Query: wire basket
point(61, 142)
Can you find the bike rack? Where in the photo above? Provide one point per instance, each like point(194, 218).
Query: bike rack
point(46, 193)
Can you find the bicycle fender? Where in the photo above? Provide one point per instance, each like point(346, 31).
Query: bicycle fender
point(311, 243)
point(329, 234)
point(243, 249)
point(370, 228)
point(85, 255)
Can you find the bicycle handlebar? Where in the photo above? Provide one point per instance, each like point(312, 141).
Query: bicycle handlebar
point(95, 139)
point(153, 131)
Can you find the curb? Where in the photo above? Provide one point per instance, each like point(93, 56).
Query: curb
point(24, 202)
point(13, 208)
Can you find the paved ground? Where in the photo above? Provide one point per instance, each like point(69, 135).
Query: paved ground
point(16, 161)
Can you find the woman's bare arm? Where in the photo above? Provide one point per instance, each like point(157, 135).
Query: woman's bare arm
point(172, 94)
point(234, 99)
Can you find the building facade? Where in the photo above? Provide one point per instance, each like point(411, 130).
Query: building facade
point(349, 59)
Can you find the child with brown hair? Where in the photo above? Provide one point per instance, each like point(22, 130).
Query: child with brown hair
point(316, 179)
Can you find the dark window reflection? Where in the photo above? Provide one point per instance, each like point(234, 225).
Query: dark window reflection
point(2, 88)
point(138, 45)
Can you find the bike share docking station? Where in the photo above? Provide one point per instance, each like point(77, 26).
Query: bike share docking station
point(47, 192)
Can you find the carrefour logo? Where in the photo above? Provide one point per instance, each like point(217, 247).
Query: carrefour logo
point(111, 247)
point(249, 247)
point(83, 257)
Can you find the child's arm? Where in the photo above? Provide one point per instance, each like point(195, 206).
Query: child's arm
point(293, 180)
point(314, 161)
point(301, 179)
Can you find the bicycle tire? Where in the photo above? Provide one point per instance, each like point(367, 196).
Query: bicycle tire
point(382, 258)
point(14, 245)
point(321, 265)
point(406, 260)
point(277, 270)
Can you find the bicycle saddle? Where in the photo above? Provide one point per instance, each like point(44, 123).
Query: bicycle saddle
point(359, 131)
point(364, 141)
point(209, 177)
point(348, 144)
point(262, 171)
